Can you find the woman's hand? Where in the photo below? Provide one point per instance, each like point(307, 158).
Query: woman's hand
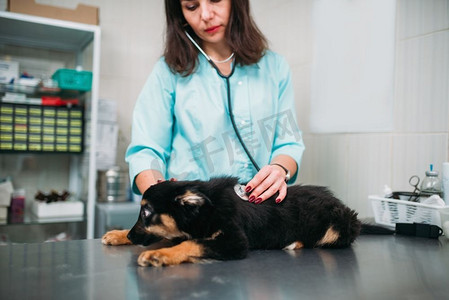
point(267, 182)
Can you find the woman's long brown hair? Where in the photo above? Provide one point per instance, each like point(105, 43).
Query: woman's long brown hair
point(245, 39)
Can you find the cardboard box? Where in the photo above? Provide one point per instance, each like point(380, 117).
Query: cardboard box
point(8, 70)
point(82, 14)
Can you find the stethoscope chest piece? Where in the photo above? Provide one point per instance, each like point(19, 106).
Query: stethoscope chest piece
point(239, 189)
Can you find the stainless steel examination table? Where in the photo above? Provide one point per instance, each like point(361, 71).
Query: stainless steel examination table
point(375, 267)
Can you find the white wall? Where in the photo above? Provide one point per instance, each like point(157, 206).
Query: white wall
point(353, 165)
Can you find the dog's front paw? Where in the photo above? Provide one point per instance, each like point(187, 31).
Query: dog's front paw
point(153, 257)
point(116, 237)
point(187, 251)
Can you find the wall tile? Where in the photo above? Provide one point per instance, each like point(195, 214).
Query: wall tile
point(3, 5)
point(114, 50)
point(422, 84)
point(412, 155)
point(301, 77)
point(325, 162)
point(353, 166)
point(369, 169)
point(420, 17)
point(287, 26)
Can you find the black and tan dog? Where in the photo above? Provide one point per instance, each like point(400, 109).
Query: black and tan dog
point(208, 220)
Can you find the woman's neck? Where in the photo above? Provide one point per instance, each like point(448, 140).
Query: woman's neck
point(218, 52)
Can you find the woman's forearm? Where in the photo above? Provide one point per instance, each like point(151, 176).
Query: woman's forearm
point(147, 178)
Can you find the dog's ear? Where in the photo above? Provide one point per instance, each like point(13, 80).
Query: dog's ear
point(192, 198)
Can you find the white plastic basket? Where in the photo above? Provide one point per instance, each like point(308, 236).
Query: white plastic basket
point(390, 211)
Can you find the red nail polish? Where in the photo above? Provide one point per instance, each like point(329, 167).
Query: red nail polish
point(248, 189)
point(251, 199)
point(278, 200)
point(258, 200)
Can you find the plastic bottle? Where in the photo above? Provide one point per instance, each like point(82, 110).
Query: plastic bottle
point(431, 185)
point(445, 182)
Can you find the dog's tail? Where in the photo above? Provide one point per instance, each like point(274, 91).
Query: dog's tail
point(375, 229)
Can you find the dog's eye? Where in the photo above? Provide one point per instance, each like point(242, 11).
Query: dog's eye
point(146, 212)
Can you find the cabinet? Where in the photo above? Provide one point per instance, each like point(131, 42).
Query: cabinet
point(75, 39)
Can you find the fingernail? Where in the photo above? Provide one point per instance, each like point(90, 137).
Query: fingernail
point(159, 180)
point(258, 200)
point(251, 199)
point(248, 189)
point(278, 200)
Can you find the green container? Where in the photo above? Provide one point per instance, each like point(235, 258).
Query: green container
point(69, 79)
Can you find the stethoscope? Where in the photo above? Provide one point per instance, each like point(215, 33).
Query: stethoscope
point(228, 92)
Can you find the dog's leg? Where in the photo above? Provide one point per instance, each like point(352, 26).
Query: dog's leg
point(218, 246)
point(187, 251)
point(329, 238)
point(116, 237)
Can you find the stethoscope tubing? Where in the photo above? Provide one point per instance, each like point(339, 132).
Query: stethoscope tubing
point(228, 94)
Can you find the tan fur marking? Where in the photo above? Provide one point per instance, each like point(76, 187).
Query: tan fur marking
point(169, 223)
point(190, 198)
point(168, 229)
point(188, 194)
point(216, 234)
point(187, 251)
point(143, 202)
point(116, 237)
point(330, 237)
point(294, 246)
point(299, 245)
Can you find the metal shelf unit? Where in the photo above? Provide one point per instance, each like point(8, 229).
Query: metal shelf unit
point(38, 32)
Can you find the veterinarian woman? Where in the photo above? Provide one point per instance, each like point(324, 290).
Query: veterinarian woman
point(216, 66)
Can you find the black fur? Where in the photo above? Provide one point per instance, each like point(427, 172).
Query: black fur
point(227, 227)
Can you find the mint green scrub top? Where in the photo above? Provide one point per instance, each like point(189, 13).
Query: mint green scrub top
point(181, 125)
